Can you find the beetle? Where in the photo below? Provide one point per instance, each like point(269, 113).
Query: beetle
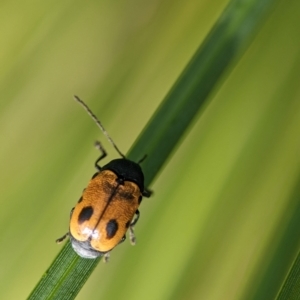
point(109, 204)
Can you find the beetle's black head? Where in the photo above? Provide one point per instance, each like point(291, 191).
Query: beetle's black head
point(127, 170)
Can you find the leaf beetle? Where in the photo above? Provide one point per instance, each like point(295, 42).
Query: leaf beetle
point(109, 204)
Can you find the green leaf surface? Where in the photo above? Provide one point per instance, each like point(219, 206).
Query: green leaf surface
point(230, 34)
point(291, 288)
point(62, 280)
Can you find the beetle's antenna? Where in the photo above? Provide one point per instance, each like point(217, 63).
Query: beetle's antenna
point(99, 124)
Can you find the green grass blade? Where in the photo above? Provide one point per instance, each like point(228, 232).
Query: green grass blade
point(221, 47)
point(291, 287)
point(230, 35)
point(283, 257)
point(65, 277)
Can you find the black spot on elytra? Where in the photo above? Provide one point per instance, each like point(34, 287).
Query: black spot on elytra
point(85, 214)
point(111, 228)
point(127, 224)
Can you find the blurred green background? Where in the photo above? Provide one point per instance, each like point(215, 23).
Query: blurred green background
point(223, 222)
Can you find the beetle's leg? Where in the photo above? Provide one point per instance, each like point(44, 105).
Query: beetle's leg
point(135, 219)
point(131, 227)
point(59, 240)
point(106, 257)
point(146, 193)
point(122, 239)
point(71, 212)
point(103, 154)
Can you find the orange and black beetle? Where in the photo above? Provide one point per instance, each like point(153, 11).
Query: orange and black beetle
point(108, 206)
